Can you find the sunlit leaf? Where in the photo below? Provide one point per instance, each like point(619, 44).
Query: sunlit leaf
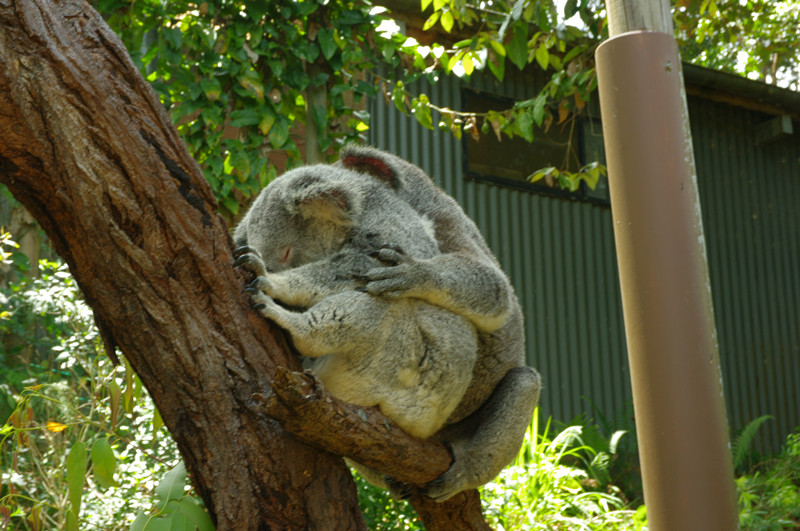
point(447, 21)
point(104, 463)
point(171, 487)
point(542, 56)
point(56, 427)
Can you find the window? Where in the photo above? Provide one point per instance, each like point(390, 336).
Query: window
point(509, 162)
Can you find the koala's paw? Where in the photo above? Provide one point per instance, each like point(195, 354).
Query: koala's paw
point(446, 486)
point(393, 280)
point(261, 284)
point(248, 258)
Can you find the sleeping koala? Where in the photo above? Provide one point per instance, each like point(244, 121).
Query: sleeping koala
point(458, 273)
point(307, 243)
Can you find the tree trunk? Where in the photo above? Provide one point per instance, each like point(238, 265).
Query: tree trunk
point(87, 147)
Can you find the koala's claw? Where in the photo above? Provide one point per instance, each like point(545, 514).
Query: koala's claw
point(241, 260)
point(390, 255)
point(250, 260)
point(260, 306)
point(239, 251)
point(398, 489)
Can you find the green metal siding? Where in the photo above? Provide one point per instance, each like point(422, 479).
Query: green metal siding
point(751, 211)
point(560, 257)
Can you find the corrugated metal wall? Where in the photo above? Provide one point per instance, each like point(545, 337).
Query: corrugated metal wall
point(750, 196)
point(560, 257)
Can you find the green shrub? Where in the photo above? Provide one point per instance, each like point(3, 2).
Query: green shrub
point(83, 446)
point(769, 494)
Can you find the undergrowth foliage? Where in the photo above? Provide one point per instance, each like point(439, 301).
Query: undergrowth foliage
point(83, 447)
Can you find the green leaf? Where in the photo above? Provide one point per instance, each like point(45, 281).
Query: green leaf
point(196, 514)
point(570, 8)
point(424, 4)
point(498, 48)
point(542, 56)
point(171, 487)
point(279, 133)
point(399, 97)
point(251, 82)
point(517, 49)
point(211, 88)
point(245, 117)
point(104, 463)
point(326, 42)
point(541, 174)
point(497, 64)
point(432, 20)
point(447, 21)
point(421, 110)
point(114, 395)
point(267, 120)
point(468, 63)
point(76, 474)
point(157, 421)
point(539, 108)
point(523, 124)
point(516, 11)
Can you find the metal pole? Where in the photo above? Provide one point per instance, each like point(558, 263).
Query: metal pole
point(681, 422)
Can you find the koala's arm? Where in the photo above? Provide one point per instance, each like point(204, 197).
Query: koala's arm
point(466, 278)
point(457, 282)
point(300, 287)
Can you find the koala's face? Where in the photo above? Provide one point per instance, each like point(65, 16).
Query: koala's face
point(299, 218)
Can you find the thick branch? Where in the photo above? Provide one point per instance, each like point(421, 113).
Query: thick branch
point(304, 408)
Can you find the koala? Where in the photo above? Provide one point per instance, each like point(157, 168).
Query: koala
point(305, 242)
point(461, 275)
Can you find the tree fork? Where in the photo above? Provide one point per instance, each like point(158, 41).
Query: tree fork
point(88, 148)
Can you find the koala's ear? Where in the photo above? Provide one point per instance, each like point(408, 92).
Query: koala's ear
point(379, 164)
point(327, 202)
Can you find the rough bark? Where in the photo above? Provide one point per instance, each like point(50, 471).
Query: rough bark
point(87, 147)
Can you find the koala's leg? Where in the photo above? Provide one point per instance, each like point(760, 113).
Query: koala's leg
point(488, 440)
point(457, 282)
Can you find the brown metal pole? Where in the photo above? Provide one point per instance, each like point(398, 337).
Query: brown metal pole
point(666, 294)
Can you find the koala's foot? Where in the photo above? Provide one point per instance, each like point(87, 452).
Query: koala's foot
point(447, 485)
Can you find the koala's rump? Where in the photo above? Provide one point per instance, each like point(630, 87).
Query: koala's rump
point(412, 359)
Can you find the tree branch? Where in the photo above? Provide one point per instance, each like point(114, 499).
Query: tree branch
point(304, 408)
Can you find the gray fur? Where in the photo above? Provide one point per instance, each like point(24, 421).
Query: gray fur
point(412, 359)
point(431, 256)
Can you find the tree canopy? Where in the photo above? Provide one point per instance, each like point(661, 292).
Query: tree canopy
point(239, 77)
